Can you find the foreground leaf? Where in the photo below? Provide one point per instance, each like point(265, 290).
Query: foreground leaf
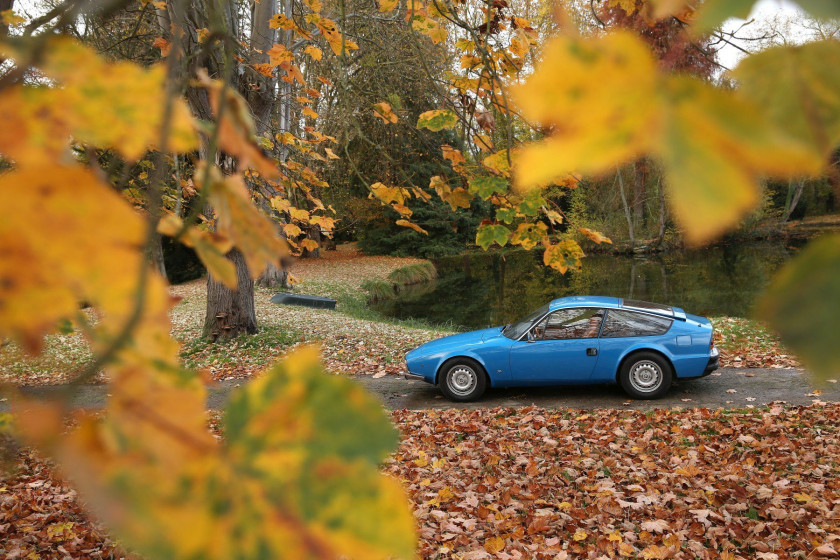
point(803, 304)
point(65, 238)
point(799, 89)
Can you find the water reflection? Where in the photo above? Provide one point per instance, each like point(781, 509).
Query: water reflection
point(477, 290)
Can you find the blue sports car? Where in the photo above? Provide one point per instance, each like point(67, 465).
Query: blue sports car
point(573, 340)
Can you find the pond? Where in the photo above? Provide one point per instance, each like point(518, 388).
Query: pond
point(482, 289)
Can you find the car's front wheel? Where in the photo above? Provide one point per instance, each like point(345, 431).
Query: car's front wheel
point(463, 380)
point(645, 375)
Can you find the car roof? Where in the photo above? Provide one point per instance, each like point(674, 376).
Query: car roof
point(614, 302)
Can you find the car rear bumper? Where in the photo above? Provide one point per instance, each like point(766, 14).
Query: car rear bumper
point(714, 362)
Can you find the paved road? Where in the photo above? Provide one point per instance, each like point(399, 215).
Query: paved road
point(751, 387)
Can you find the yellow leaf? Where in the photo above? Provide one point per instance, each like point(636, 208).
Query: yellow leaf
point(387, 194)
point(278, 54)
point(299, 214)
point(314, 52)
point(387, 5)
point(454, 155)
point(412, 225)
point(309, 112)
point(309, 244)
point(797, 88)
point(11, 19)
point(580, 535)
point(291, 230)
point(331, 154)
point(65, 238)
point(603, 106)
point(163, 45)
point(99, 103)
point(529, 235)
point(314, 5)
point(520, 43)
point(494, 545)
point(595, 236)
point(402, 209)
point(383, 111)
point(280, 204)
point(563, 256)
point(626, 549)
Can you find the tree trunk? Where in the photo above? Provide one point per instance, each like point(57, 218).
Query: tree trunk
point(663, 210)
point(156, 255)
point(230, 312)
point(639, 192)
point(626, 208)
point(793, 196)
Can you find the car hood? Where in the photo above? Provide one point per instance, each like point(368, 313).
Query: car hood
point(462, 339)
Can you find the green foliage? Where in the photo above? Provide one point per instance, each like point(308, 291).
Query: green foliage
point(486, 186)
point(803, 304)
point(488, 234)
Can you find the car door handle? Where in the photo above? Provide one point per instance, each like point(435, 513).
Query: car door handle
point(591, 351)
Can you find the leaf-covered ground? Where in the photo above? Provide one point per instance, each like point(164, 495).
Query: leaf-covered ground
point(553, 484)
point(355, 340)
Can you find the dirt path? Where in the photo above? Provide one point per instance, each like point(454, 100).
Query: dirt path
point(732, 388)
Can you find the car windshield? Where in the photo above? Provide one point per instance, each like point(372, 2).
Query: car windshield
point(517, 329)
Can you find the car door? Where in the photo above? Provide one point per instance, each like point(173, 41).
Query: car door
point(625, 329)
point(561, 348)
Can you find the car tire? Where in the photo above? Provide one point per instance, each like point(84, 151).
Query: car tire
point(645, 375)
point(462, 380)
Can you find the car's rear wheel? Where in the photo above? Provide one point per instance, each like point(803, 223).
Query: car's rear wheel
point(463, 380)
point(645, 375)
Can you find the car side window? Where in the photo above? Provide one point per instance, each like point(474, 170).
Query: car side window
point(565, 324)
point(619, 324)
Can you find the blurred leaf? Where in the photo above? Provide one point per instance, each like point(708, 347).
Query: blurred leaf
point(799, 89)
point(714, 12)
point(603, 106)
point(715, 149)
point(437, 119)
point(489, 234)
point(803, 304)
point(65, 237)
